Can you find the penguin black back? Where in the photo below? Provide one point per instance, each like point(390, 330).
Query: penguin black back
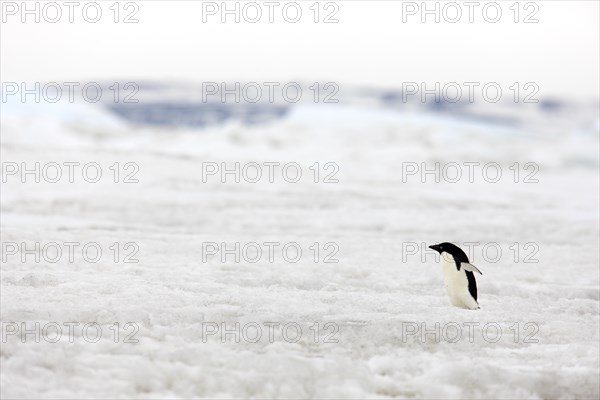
point(472, 284)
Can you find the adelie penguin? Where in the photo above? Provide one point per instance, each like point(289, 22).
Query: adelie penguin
point(458, 275)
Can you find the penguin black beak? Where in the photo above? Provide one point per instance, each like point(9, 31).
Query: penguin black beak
point(435, 247)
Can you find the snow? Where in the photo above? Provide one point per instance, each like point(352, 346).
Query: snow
point(375, 296)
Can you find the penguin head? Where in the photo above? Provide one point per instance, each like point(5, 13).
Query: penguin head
point(442, 247)
point(451, 249)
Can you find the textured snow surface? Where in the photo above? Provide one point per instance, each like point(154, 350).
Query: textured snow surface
point(372, 296)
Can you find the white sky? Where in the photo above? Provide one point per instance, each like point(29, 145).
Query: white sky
point(369, 46)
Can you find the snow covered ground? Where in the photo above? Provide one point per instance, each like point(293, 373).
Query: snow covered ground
point(384, 325)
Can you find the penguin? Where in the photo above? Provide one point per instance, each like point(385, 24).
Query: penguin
point(458, 275)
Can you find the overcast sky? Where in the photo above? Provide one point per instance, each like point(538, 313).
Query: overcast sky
point(370, 45)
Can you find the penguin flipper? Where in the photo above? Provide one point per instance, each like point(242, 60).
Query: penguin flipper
point(470, 267)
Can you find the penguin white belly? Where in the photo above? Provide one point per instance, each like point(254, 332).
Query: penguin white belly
point(457, 284)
